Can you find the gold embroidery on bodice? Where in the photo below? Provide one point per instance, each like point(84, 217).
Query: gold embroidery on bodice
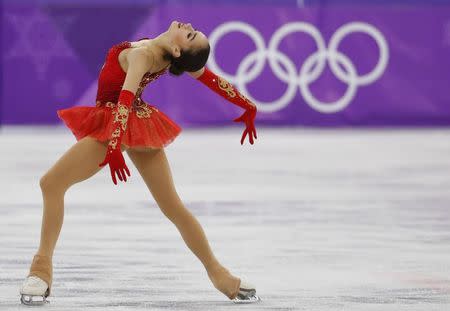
point(139, 105)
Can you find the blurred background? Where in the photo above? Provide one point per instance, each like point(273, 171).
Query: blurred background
point(341, 204)
point(304, 63)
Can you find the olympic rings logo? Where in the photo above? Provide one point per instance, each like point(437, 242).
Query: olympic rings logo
point(311, 69)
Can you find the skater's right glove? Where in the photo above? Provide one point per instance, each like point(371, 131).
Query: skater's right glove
point(114, 155)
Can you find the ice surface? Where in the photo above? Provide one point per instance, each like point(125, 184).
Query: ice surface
point(316, 219)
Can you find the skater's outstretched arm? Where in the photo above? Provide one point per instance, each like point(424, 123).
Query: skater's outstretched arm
point(138, 64)
point(225, 89)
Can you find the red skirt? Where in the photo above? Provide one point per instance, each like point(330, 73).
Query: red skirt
point(147, 126)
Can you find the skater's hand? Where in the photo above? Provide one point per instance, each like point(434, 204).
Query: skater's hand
point(117, 165)
point(248, 118)
point(225, 89)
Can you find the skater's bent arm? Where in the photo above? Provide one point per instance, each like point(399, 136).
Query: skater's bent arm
point(138, 64)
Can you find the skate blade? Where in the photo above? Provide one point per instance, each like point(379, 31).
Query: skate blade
point(248, 299)
point(31, 300)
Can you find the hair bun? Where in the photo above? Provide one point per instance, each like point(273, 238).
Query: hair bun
point(176, 69)
point(188, 61)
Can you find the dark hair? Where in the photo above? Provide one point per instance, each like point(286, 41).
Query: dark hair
point(188, 61)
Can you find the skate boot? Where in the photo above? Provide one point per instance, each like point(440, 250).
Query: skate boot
point(231, 286)
point(246, 294)
point(36, 287)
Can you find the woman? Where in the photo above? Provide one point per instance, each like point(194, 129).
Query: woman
point(122, 121)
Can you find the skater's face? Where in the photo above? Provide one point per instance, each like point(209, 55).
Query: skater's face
point(186, 38)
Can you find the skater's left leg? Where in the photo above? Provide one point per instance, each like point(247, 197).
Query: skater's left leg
point(155, 170)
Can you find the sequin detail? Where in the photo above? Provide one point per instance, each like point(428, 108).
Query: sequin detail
point(115, 136)
point(111, 80)
point(121, 116)
point(139, 105)
point(247, 100)
point(142, 110)
point(147, 126)
point(226, 86)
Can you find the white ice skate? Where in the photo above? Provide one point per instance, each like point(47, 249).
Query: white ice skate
point(247, 293)
point(34, 291)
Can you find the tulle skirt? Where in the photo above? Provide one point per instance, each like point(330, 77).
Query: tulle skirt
point(147, 126)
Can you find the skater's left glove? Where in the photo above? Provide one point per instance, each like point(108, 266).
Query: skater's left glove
point(114, 155)
point(225, 89)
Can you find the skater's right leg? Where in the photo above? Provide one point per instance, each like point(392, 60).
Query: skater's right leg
point(79, 163)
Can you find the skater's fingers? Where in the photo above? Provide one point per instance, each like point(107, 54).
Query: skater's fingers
point(127, 170)
point(119, 175)
point(122, 171)
point(243, 136)
point(113, 176)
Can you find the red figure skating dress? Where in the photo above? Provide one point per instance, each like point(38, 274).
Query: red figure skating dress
point(148, 127)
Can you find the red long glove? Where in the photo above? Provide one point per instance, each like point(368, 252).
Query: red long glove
point(229, 92)
point(114, 155)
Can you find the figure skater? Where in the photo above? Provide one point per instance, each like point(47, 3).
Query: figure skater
point(122, 121)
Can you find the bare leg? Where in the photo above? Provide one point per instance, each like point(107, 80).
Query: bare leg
point(79, 163)
point(154, 169)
